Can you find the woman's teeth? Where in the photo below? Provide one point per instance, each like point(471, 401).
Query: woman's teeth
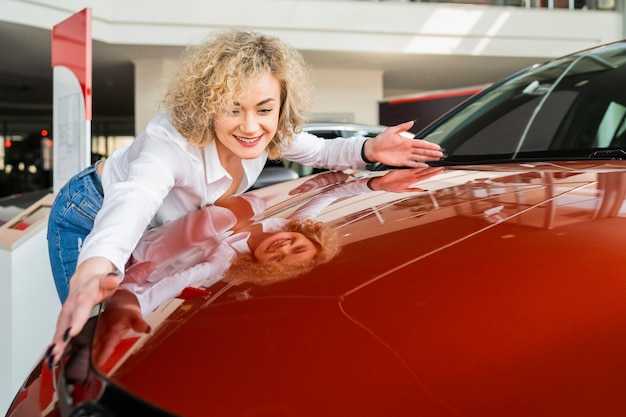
point(247, 140)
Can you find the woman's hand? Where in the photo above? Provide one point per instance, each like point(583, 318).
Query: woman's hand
point(392, 148)
point(403, 180)
point(121, 314)
point(139, 272)
point(95, 280)
point(319, 181)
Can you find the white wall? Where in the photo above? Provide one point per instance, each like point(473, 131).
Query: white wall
point(347, 92)
point(337, 92)
point(151, 77)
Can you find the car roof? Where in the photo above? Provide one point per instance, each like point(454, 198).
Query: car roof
point(346, 127)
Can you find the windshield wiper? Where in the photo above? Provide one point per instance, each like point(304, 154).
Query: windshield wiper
point(608, 154)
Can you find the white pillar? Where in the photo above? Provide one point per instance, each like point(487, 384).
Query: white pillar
point(347, 92)
point(151, 76)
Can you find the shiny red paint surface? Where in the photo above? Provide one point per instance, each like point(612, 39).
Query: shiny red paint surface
point(493, 291)
point(440, 312)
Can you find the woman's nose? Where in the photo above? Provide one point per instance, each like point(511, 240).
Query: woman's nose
point(284, 249)
point(249, 124)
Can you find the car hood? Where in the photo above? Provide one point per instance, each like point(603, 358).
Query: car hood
point(490, 290)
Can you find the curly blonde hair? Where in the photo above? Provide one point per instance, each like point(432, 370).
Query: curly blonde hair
point(212, 75)
point(246, 269)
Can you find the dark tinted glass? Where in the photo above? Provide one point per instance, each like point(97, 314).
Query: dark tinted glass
point(568, 107)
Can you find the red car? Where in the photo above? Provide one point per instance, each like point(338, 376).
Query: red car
point(493, 285)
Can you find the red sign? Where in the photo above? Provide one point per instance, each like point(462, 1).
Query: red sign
point(71, 48)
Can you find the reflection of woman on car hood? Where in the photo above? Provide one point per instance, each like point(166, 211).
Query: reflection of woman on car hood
point(227, 240)
point(199, 248)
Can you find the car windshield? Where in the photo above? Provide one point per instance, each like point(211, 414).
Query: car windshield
point(573, 107)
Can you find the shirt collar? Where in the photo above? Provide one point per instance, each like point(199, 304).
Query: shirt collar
point(215, 171)
point(212, 166)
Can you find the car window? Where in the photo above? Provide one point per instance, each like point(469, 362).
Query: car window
point(612, 129)
point(326, 134)
point(569, 107)
point(276, 171)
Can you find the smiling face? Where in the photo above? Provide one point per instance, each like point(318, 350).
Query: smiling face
point(245, 130)
point(285, 247)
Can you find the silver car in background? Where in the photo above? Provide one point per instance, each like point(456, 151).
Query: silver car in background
point(279, 171)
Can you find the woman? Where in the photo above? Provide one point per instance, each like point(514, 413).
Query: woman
point(235, 101)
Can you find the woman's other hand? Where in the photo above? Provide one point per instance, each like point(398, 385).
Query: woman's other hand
point(95, 280)
point(392, 148)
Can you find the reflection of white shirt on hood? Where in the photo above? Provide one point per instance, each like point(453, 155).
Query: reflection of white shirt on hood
point(198, 248)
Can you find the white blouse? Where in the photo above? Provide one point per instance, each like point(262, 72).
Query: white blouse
point(160, 177)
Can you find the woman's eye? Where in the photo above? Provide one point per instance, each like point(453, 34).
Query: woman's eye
point(266, 110)
point(301, 249)
point(277, 258)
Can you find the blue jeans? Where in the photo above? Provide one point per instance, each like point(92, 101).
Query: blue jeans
point(71, 219)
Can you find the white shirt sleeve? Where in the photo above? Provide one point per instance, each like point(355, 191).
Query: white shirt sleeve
point(136, 181)
point(196, 248)
point(339, 154)
point(314, 207)
point(151, 294)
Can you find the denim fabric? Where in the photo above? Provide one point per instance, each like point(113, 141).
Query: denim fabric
point(71, 219)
